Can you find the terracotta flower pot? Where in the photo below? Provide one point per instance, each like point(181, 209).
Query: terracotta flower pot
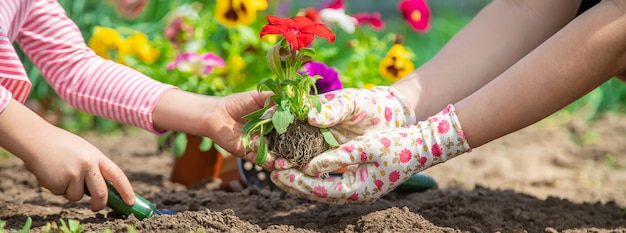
point(195, 165)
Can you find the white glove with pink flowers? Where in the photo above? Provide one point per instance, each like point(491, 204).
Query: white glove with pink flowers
point(350, 113)
point(378, 161)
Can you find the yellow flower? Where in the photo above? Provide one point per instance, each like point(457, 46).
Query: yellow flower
point(139, 45)
point(232, 13)
point(399, 51)
point(106, 40)
point(397, 64)
point(395, 69)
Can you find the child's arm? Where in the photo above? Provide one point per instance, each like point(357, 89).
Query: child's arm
point(91, 84)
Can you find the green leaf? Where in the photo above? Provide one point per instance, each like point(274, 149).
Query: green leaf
point(328, 137)
point(74, 225)
point(206, 144)
point(250, 126)
point(180, 142)
point(261, 153)
point(221, 150)
point(273, 59)
point(256, 114)
point(317, 104)
point(281, 119)
point(162, 140)
point(245, 140)
point(26, 227)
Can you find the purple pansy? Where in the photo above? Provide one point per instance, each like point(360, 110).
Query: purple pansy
point(329, 80)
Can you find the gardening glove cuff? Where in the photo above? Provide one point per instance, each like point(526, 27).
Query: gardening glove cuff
point(377, 162)
point(351, 112)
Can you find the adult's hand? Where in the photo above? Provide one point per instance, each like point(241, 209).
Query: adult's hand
point(378, 161)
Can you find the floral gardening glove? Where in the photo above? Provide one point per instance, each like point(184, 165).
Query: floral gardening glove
point(384, 159)
point(351, 112)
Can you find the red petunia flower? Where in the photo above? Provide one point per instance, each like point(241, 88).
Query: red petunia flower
point(299, 32)
point(416, 13)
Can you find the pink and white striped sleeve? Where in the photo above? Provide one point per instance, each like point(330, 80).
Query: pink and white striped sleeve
point(86, 81)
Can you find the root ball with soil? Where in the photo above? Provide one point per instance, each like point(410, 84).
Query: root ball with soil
point(299, 144)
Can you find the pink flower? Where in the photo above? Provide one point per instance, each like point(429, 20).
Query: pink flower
point(376, 164)
point(339, 186)
point(419, 141)
point(359, 118)
point(436, 150)
point(379, 183)
point(354, 197)
point(373, 19)
point(292, 178)
point(362, 174)
point(404, 135)
point(320, 191)
point(405, 156)
point(363, 157)
point(386, 142)
point(347, 148)
point(198, 64)
point(375, 121)
point(388, 114)
point(416, 13)
point(337, 4)
point(443, 127)
point(280, 162)
point(422, 160)
point(394, 176)
point(329, 96)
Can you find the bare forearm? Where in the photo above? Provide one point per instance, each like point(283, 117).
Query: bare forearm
point(586, 53)
point(501, 34)
point(21, 129)
point(182, 111)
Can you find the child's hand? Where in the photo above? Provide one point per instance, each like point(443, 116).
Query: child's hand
point(62, 162)
point(65, 163)
point(225, 120)
point(351, 112)
point(381, 160)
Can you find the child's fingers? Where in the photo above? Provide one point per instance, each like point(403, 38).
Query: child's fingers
point(75, 189)
point(111, 172)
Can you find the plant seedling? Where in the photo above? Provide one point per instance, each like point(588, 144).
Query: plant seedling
point(283, 118)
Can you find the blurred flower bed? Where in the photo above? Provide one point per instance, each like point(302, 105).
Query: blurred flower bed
point(214, 48)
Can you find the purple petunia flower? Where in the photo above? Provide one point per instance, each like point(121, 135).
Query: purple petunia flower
point(330, 77)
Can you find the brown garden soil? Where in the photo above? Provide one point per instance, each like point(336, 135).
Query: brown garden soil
point(549, 177)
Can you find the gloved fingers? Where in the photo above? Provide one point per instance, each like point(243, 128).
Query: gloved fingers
point(343, 135)
point(347, 154)
point(332, 190)
point(336, 107)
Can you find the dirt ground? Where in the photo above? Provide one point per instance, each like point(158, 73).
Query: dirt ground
point(549, 177)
